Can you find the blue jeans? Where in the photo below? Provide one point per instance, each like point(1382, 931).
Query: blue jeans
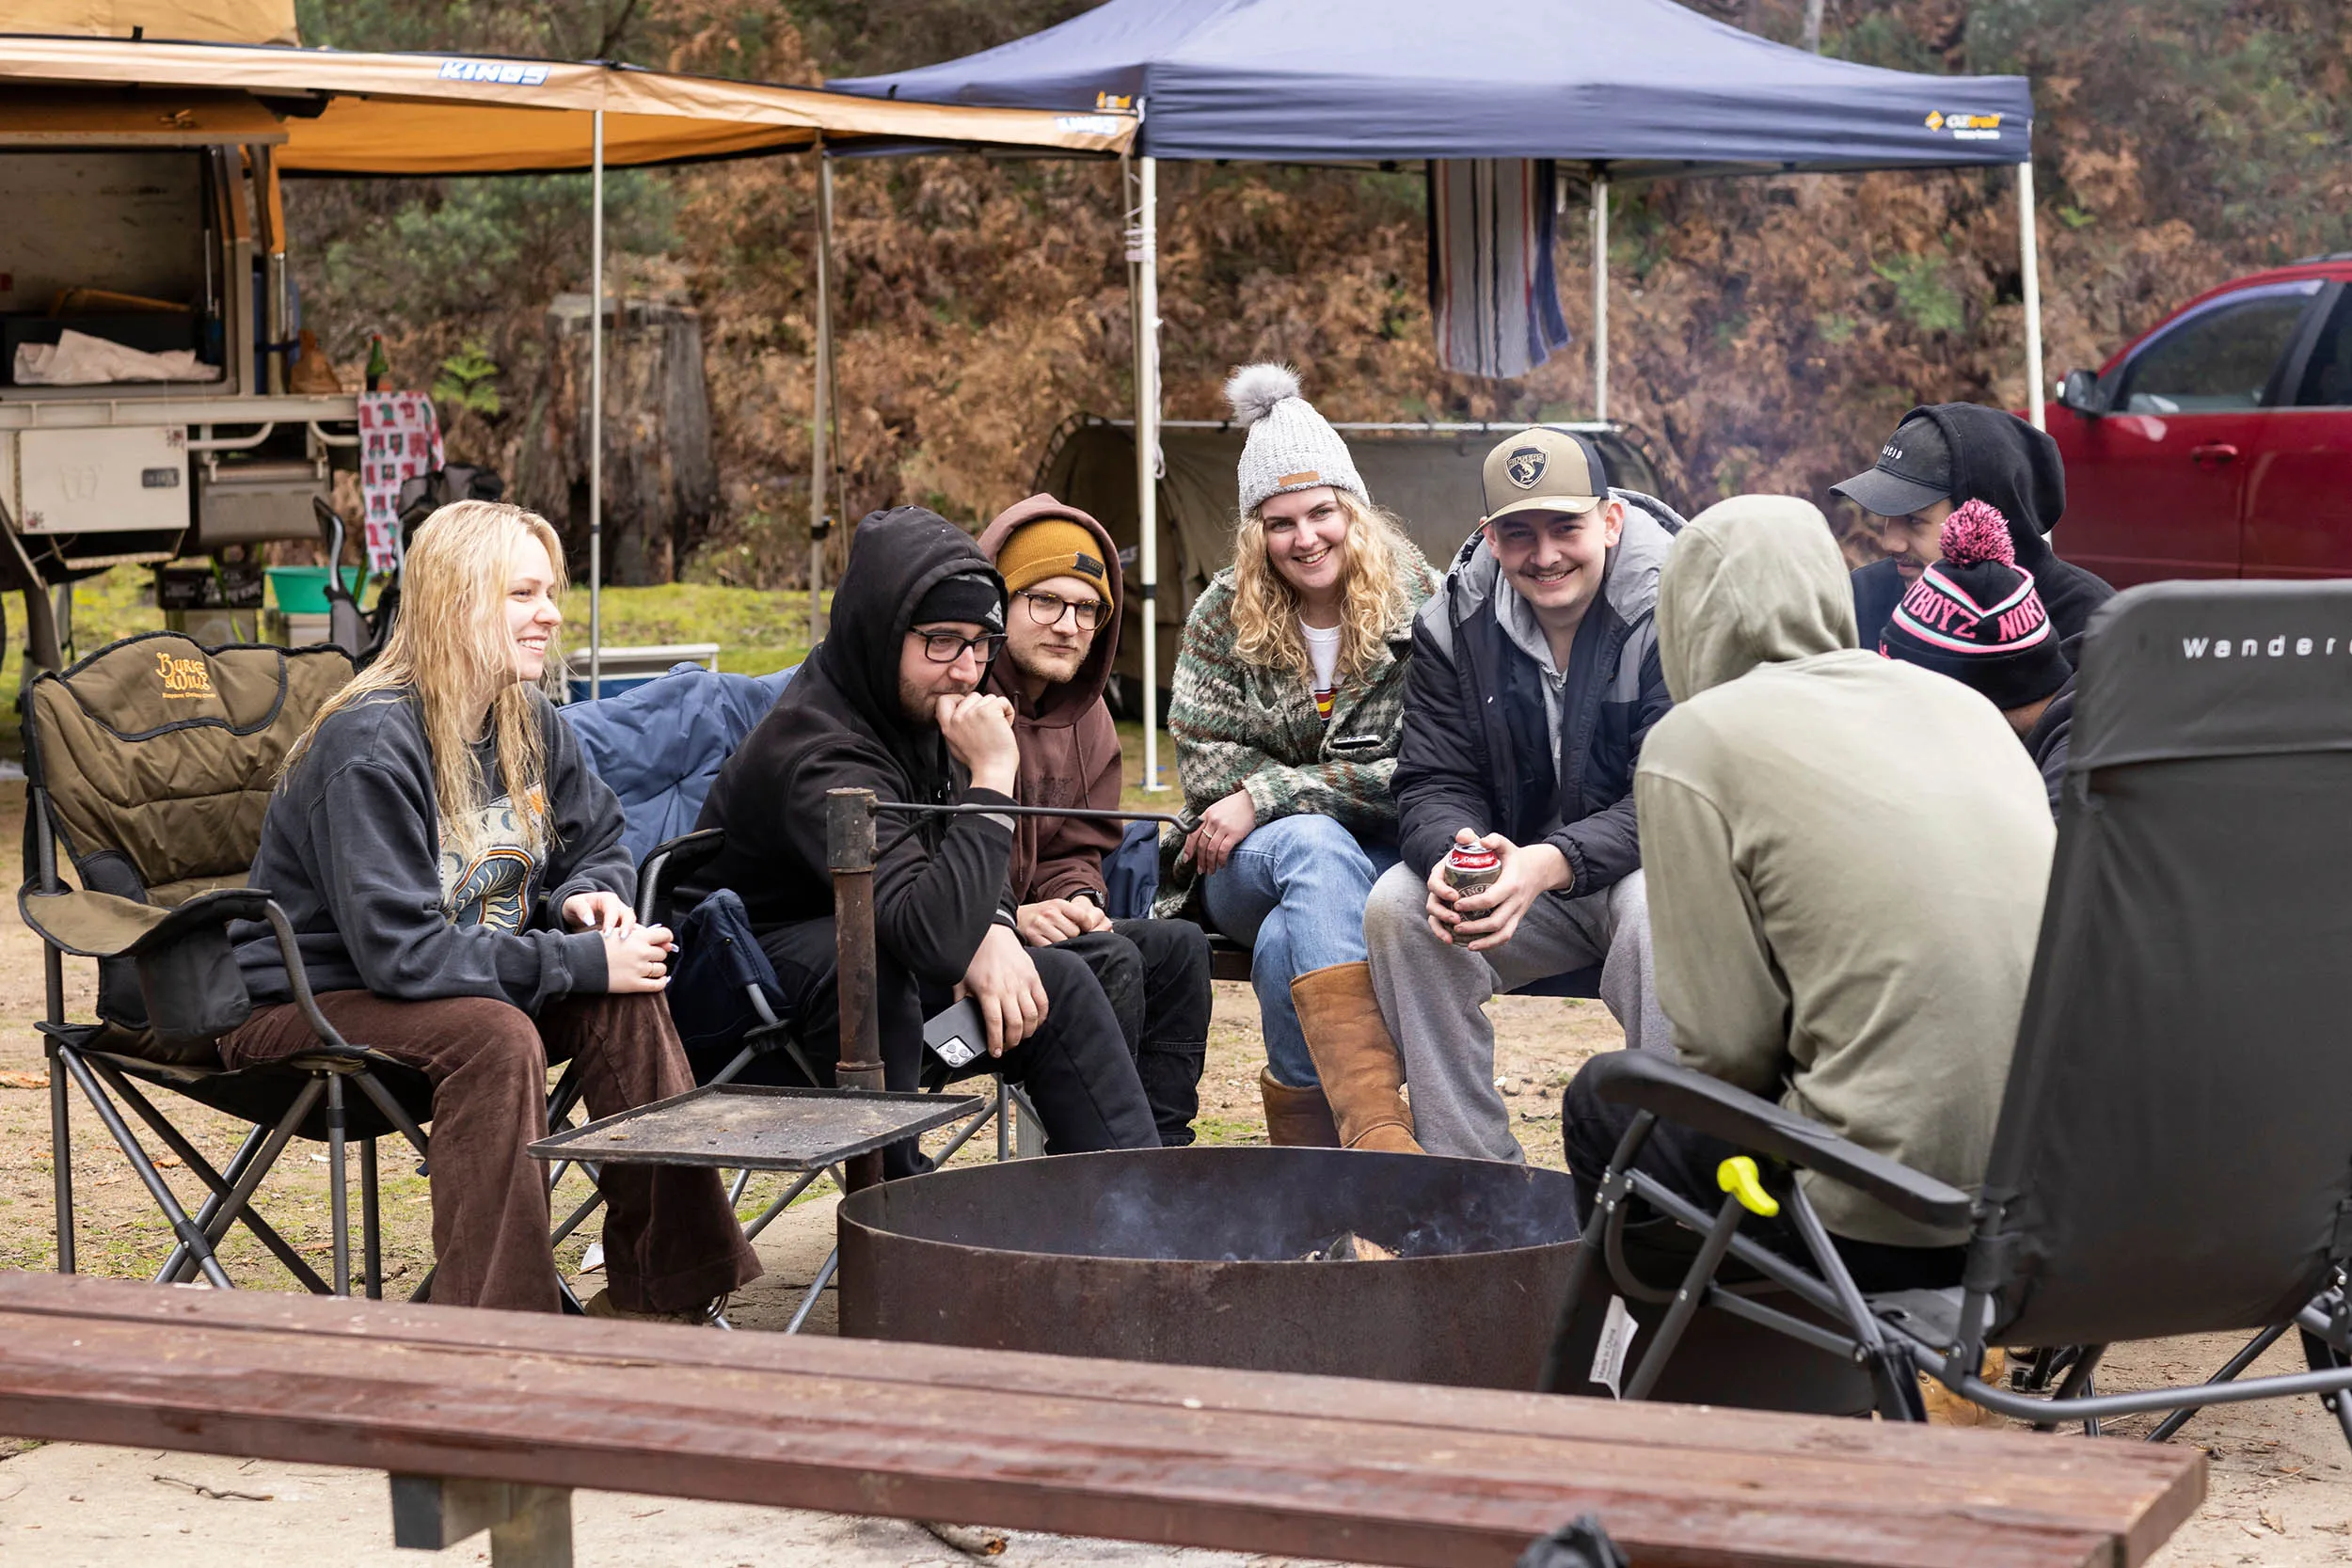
point(1294, 890)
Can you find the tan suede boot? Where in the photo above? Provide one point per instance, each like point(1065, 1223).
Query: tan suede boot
point(1295, 1119)
point(1363, 1077)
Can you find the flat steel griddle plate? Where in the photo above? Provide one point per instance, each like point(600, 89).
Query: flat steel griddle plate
point(758, 1126)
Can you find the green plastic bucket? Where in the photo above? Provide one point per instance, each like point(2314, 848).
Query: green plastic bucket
point(302, 590)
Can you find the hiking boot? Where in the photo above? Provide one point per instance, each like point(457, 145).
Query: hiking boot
point(1363, 1077)
point(602, 1306)
point(1295, 1119)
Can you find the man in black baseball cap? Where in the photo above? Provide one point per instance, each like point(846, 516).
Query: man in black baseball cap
point(1940, 456)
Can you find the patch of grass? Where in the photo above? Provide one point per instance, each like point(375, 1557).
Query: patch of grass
point(1228, 1129)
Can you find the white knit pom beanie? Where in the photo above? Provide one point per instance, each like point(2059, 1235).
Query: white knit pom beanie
point(1291, 447)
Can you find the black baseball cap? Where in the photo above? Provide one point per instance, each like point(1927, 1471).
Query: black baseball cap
point(1915, 470)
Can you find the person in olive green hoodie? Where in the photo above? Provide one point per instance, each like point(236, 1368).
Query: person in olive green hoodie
point(1846, 859)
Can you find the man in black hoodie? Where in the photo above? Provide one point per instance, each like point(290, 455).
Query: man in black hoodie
point(1941, 456)
point(890, 702)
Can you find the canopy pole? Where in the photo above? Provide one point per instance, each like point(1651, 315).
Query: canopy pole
point(820, 457)
point(596, 416)
point(1600, 295)
point(1147, 250)
point(2029, 247)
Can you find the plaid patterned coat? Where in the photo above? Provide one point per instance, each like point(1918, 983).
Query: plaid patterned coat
point(1239, 726)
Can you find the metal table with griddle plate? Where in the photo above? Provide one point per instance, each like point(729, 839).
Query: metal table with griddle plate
point(757, 1127)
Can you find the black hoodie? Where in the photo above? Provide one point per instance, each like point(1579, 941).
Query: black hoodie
point(839, 726)
point(2001, 460)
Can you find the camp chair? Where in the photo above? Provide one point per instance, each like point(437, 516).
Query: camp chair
point(2172, 1154)
point(360, 633)
point(149, 766)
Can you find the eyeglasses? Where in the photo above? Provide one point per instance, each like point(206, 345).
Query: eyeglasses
point(1046, 610)
point(946, 647)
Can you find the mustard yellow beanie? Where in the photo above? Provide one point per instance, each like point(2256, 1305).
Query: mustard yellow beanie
point(1051, 547)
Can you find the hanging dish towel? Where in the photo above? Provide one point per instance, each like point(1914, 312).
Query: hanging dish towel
point(1491, 291)
point(400, 438)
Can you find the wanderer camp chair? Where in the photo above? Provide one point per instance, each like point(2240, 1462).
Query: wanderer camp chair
point(150, 764)
point(2174, 1153)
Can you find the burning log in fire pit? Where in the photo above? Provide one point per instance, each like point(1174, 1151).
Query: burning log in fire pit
point(1348, 1247)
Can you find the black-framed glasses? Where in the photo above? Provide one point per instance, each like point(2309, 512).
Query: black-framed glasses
point(1047, 610)
point(946, 647)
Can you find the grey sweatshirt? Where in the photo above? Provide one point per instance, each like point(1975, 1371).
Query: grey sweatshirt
point(351, 849)
point(1847, 858)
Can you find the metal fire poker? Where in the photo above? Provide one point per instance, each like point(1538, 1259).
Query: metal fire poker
point(850, 855)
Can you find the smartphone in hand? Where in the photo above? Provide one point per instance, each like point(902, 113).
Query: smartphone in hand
point(959, 1035)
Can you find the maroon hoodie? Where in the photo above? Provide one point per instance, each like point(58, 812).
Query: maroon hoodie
point(1069, 749)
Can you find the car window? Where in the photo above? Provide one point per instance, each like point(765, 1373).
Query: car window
point(2328, 379)
point(2218, 358)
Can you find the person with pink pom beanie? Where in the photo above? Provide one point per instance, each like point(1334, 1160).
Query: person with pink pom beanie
point(1977, 616)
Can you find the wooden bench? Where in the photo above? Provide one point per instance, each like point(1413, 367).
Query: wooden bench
point(483, 1416)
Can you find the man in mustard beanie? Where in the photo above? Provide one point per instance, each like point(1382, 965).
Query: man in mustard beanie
point(1061, 632)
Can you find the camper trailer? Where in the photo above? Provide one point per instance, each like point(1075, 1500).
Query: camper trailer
point(147, 338)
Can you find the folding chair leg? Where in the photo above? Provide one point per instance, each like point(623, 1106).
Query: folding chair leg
point(751, 1232)
point(1890, 1368)
point(1554, 1377)
point(816, 1289)
point(1003, 1121)
point(338, 1183)
point(237, 1206)
point(1695, 1283)
point(2247, 1355)
point(179, 1265)
point(61, 1153)
point(2075, 1384)
point(157, 1189)
point(1028, 1129)
point(371, 1221)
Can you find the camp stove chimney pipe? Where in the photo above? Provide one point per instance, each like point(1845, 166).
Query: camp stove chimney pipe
point(849, 855)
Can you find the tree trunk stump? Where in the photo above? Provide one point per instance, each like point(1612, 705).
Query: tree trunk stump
point(660, 480)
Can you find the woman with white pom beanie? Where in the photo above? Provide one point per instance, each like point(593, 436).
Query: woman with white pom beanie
point(1288, 704)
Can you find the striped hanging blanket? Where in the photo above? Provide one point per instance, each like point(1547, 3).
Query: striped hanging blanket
point(1491, 292)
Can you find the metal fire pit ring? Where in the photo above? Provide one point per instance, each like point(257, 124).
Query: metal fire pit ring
point(1194, 1256)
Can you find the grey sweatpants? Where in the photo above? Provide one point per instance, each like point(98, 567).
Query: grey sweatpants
point(1433, 996)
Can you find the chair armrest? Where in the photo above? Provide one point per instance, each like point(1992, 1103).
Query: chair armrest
point(102, 926)
point(1688, 1099)
point(670, 863)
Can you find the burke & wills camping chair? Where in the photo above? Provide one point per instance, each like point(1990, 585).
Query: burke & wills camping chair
point(2174, 1153)
point(150, 764)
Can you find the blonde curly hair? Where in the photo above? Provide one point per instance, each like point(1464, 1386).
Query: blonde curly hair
point(1265, 606)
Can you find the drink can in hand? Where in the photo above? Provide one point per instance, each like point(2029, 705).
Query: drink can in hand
point(1472, 869)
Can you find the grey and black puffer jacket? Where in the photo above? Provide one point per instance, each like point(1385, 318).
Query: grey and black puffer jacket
point(1476, 746)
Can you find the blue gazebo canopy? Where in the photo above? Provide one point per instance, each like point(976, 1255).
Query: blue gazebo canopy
point(1639, 87)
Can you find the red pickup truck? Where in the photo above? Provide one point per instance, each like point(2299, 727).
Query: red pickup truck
point(2218, 444)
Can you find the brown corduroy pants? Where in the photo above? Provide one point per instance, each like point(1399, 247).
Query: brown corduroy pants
point(671, 1242)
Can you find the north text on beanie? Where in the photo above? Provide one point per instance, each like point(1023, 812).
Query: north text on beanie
point(1976, 617)
point(974, 597)
point(1290, 446)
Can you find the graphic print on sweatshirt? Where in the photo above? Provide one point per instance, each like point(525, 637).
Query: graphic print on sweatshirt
point(492, 886)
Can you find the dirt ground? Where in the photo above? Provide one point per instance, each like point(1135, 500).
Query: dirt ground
point(2280, 1487)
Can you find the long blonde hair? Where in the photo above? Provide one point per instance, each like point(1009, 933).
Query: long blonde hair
point(450, 642)
point(1265, 606)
